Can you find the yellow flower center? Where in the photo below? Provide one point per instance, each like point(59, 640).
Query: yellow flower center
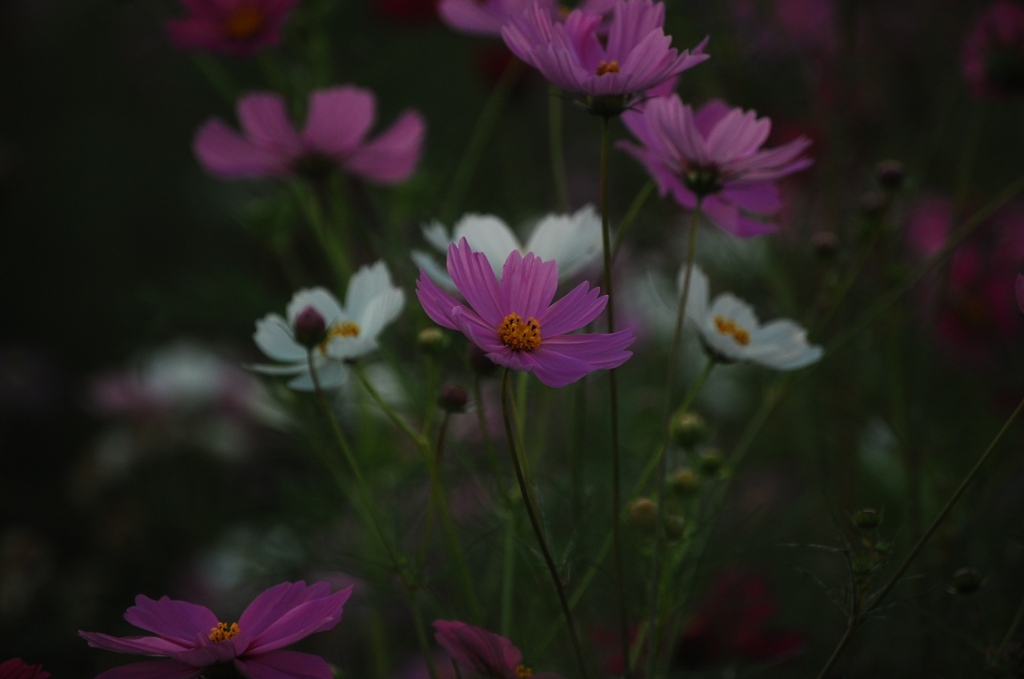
point(729, 327)
point(607, 67)
point(223, 631)
point(523, 672)
point(519, 335)
point(339, 329)
point(244, 23)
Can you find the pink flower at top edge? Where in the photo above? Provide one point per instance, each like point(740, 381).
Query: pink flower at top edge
point(716, 154)
point(16, 668)
point(238, 27)
point(192, 638)
point(992, 58)
point(483, 653)
point(636, 55)
point(334, 137)
point(514, 321)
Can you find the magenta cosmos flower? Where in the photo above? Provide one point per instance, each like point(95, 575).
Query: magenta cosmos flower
point(334, 137)
point(612, 72)
point(514, 321)
point(16, 668)
point(239, 27)
point(714, 154)
point(483, 653)
point(993, 53)
point(193, 639)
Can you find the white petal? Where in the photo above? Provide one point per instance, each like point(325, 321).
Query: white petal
point(782, 345)
point(732, 308)
point(285, 369)
point(571, 240)
point(435, 271)
point(487, 234)
point(318, 298)
point(697, 298)
point(274, 338)
point(437, 235)
point(365, 285)
point(330, 374)
point(384, 309)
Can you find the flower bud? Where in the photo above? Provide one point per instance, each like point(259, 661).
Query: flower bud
point(966, 580)
point(432, 341)
point(309, 328)
point(710, 462)
point(684, 481)
point(867, 519)
point(479, 362)
point(687, 429)
point(891, 174)
point(642, 514)
point(453, 398)
point(674, 526)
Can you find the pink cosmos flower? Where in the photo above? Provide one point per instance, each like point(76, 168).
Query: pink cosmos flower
point(16, 668)
point(483, 653)
point(637, 54)
point(239, 27)
point(992, 59)
point(714, 154)
point(334, 137)
point(514, 321)
point(193, 639)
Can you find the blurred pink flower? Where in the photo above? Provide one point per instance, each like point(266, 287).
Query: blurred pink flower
point(715, 154)
point(992, 58)
point(192, 639)
point(486, 17)
point(483, 653)
point(974, 295)
point(514, 320)
point(612, 72)
point(334, 137)
point(16, 668)
point(238, 27)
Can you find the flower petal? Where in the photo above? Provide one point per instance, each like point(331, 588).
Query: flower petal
point(265, 123)
point(338, 119)
point(438, 304)
point(473, 276)
point(274, 338)
point(392, 156)
point(222, 151)
point(528, 284)
point(137, 645)
point(178, 621)
point(477, 650)
point(284, 665)
point(317, 614)
point(580, 306)
point(487, 234)
point(365, 286)
point(320, 299)
point(154, 669)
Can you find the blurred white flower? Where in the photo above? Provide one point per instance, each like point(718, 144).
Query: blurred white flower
point(731, 332)
point(332, 332)
point(571, 240)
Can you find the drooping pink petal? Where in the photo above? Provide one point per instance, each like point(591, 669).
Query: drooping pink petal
point(284, 665)
point(392, 156)
point(338, 119)
point(222, 151)
point(174, 620)
point(264, 122)
point(154, 669)
point(436, 302)
point(143, 645)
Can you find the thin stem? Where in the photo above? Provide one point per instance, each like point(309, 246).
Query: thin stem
point(878, 598)
point(557, 148)
point(421, 441)
point(631, 214)
point(613, 398)
point(478, 140)
point(538, 528)
point(670, 381)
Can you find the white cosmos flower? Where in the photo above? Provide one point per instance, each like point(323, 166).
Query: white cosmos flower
point(730, 330)
point(371, 303)
point(571, 240)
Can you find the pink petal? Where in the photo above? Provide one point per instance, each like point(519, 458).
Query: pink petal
point(762, 198)
point(156, 669)
point(137, 645)
point(437, 303)
point(265, 123)
point(316, 615)
point(392, 156)
point(474, 278)
point(284, 665)
point(271, 604)
point(476, 649)
point(178, 621)
point(470, 16)
point(580, 306)
point(338, 119)
point(222, 151)
point(528, 284)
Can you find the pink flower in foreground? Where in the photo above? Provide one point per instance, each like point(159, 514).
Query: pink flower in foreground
point(992, 59)
point(239, 27)
point(16, 668)
point(714, 154)
point(193, 639)
point(636, 56)
point(334, 137)
point(483, 653)
point(514, 321)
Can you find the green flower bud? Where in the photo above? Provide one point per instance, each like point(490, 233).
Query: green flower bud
point(432, 341)
point(684, 480)
point(687, 429)
point(642, 514)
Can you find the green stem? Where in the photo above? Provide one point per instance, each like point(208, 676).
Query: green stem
point(670, 381)
point(613, 398)
point(478, 140)
point(631, 215)
point(312, 205)
point(421, 441)
point(538, 529)
point(877, 599)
